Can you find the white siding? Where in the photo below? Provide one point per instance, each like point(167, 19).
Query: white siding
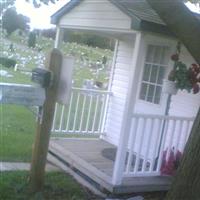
point(119, 88)
point(99, 14)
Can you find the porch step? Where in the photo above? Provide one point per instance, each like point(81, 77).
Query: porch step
point(90, 174)
point(58, 163)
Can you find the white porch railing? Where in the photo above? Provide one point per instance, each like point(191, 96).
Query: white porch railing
point(85, 113)
point(150, 137)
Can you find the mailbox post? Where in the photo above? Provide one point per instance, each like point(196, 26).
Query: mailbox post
point(44, 124)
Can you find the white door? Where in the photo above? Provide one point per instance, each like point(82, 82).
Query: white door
point(150, 99)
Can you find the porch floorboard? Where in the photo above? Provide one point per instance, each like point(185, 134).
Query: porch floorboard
point(84, 156)
point(88, 150)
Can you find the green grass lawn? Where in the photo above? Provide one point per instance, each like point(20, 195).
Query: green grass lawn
point(17, 124)
point(58, 186)
point(17, 133)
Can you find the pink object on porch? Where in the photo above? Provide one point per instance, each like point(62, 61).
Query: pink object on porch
point(170, 165)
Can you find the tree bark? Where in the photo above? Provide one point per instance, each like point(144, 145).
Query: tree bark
point(182, 22)
point(186, 185)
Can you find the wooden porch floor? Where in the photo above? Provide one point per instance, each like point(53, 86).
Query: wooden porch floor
point(88, 159)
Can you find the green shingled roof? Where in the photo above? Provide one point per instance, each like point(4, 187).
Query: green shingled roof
point(139, 9)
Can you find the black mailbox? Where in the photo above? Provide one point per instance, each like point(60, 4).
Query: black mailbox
point(42, 77)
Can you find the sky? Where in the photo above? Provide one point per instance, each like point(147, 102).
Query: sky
point(40, 17)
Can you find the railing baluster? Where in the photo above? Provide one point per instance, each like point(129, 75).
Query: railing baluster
point(179, 135)
point(88, 118)
point(133, 135)
point(76, 111)
point(61, 118)
point(95, 114)
point(102, 111)
point(171, 138)
point(138, 154)
point(186, 132)
point(69, 111)
point(156, 146)
point(148, 144)
point(82, 113)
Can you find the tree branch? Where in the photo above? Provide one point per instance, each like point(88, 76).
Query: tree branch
point(182, 22)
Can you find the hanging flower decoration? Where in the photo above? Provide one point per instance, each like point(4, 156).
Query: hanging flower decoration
point(184, 78)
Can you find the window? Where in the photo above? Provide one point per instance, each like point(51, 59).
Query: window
point(156, 61)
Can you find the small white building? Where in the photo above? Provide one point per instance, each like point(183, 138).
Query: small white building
point(133, 114)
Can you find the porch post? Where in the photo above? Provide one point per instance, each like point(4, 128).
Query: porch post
point(59, 37)
point(126, 123)
point(109, 87)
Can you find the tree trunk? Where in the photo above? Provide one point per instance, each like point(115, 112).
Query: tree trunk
point(182, 22)
point(186, 185)
point(186, 27)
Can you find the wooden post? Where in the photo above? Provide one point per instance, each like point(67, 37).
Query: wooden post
point(44, 124)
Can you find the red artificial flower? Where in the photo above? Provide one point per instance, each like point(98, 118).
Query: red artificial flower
point(175, 57)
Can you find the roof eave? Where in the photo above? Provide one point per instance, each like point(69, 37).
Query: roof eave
point(66, 8)
point(155, 28)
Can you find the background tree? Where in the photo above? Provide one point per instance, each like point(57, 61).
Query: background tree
point(8, 22)
point(37, 3)
point(12, 21)
point(22, 22)
point(4, 4)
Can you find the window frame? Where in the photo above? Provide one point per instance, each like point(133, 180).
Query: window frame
point(146, 46)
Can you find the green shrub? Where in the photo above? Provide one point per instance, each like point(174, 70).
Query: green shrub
point(7, 62)
point(32, 39)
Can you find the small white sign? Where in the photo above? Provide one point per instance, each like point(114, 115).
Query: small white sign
point(65, 81)
point(20, 94)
